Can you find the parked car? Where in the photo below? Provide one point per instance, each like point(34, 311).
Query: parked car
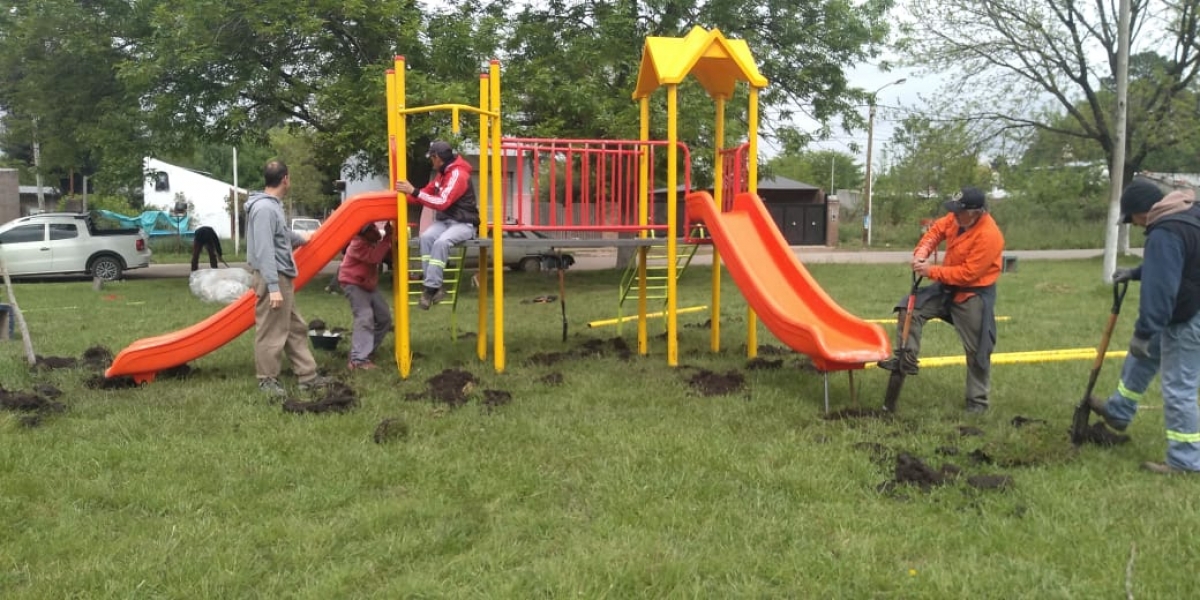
point(66, 243)
point(305, 224)
point(526, 255)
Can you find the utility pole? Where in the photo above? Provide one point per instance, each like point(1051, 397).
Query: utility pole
point(37, 168)
point(870, 151)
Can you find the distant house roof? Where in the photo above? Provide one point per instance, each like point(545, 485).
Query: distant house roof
point(765, 183)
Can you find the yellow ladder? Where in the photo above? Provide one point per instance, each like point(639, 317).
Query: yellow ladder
point(657, 277)
point(452, 275)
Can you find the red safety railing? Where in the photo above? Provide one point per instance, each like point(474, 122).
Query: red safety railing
point(583, 188)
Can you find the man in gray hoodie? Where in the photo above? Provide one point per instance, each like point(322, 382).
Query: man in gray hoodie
point(278, 324)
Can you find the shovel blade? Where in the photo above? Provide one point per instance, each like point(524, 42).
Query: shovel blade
point(892, 395)
point(1079, 422)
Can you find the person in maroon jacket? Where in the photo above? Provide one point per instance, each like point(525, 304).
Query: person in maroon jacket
point(451, 194)
point(359, 278)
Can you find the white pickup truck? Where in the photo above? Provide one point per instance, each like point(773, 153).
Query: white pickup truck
point(68, 243)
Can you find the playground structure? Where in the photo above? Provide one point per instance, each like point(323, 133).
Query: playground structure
point(615, 178)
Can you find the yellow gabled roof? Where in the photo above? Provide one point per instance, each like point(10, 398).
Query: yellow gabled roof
point(718, 63)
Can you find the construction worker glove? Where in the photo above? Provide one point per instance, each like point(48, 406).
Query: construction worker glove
point(1122, 275)
point(1139, 347)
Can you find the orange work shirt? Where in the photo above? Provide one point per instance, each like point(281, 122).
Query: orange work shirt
point(973, 257)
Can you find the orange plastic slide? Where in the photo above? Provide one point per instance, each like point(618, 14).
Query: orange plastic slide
point(144, 358)
point(787, 299)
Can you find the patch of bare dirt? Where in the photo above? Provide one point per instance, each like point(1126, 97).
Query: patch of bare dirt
point(389, 430)
point(336, 398)
point(19, 401)
point(50, 363)
point(551, 379)
point(101, 382)
point(547, 358)
point(1101, 435)
point(493, 399)
point(709, 383)
point(763, 364)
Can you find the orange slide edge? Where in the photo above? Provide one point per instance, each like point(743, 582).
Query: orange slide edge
point(790, 303)
point(145, 358)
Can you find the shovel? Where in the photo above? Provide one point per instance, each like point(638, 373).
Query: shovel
point(1079, 423)
point(896, 380)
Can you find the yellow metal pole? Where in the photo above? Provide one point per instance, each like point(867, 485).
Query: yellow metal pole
point(714, 339)
point(481, 325)
point(398, 169)
point(752, 175)
point(498, 212)
point(672, 198)
point(643, 329)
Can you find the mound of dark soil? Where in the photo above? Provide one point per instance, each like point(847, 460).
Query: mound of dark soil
point(97, 358)
point(709, 383)
point(452, 387)
point(338, 398)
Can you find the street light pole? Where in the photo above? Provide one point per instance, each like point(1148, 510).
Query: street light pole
point(870, 151)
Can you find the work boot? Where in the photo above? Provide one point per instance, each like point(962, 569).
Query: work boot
point(1163, 469)
point(1100, 407)
point(361, 365)
point(909, 366)
point(271, 387)
point(316, 383)
point(976, 408)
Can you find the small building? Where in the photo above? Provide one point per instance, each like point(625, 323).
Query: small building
point(804, 214)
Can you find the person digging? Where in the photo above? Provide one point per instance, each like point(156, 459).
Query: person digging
point(1166, 336)
point(963, 292)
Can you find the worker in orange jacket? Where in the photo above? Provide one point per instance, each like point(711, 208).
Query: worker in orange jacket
point(963, 293)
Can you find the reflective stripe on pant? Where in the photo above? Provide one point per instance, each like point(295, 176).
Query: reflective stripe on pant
point(967, 318)
point(1136, 375)
point(436, 242)
point(372, 321)
point(280, 330)
point(1180, 378)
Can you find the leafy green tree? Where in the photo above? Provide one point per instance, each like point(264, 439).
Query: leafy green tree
point(935, 160)
point(818, 167)
point(1010, 61)
point(61, 85)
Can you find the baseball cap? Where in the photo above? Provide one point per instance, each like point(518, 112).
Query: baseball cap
point(442, 150)
point(1138, 197)
point(967, 198)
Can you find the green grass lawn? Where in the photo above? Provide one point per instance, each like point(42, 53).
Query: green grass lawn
point(621, 482)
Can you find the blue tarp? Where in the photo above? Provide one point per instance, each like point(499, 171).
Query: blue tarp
point(153, 222)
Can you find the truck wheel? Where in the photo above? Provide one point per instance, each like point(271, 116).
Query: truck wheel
point(530, 264)
point(107, 268)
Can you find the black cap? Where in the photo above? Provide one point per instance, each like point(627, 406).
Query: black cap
point(1138, 197)
point(967, 198)
point(442, 150)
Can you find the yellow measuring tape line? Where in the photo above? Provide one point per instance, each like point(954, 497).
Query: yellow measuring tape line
point(1015, 358)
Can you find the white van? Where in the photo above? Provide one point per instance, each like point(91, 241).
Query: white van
point(305, 224)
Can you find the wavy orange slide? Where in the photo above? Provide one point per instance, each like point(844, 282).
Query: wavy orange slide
point(143, 359)
point(777, 286)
